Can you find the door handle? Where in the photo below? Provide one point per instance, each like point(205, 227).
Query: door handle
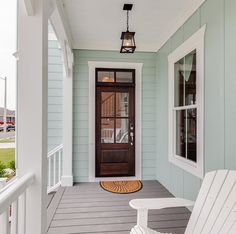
point(132, 138)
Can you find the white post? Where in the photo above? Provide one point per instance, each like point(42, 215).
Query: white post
point(5, 104)
point(32, 86)
point(67, 174)
point(5, 107)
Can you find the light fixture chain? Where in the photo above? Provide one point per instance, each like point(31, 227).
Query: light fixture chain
point(127, 20)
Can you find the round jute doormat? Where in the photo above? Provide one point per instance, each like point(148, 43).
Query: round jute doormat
point(122, 187)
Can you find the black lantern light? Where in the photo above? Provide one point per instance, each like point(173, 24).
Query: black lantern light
point(128, 42)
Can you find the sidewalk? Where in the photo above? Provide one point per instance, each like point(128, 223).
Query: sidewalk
point(7, 145)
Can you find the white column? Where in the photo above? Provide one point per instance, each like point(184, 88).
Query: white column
point(32, 111)
point(67, 173)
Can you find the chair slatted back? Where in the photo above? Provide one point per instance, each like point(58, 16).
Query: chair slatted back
point(215, 207)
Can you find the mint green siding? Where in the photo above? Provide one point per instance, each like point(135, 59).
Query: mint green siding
point(80, 139)
point(55, 95)
point(219, 100)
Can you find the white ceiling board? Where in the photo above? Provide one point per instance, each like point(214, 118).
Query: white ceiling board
point(97, 24)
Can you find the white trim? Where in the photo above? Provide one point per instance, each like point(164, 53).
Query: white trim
point(138, 117)
point(67, 169)
point(60, 23)
point(56, 20)
point(196, 41)
point(52, 36)
point(171, 31)
point(54, 188)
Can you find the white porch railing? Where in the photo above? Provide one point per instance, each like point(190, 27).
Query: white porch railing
point(12, 205)
point(54, 168)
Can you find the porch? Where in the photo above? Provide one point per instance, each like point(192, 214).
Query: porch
point(184, 102)
point(87, 208)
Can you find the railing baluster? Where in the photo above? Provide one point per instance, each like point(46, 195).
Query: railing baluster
point(59, 166)
point(4, 223)
point(49, 172)
point(22, 214)
point(54, 169)
point(14, 217)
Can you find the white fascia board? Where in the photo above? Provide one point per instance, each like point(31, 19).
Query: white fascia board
point(171, 31)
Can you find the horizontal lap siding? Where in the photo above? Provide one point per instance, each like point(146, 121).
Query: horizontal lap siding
point(219, 100)
point(55, 94)
point(80, 109)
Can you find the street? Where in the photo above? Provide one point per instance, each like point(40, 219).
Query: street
point(6, 135)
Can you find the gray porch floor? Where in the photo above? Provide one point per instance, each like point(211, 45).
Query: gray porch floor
point(87, 208)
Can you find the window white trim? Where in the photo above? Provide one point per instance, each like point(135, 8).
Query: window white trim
point(195, 42)
point(138, 117)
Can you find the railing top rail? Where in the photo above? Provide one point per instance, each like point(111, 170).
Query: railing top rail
point(53, 151)
point(8, 196)
point(8, 184)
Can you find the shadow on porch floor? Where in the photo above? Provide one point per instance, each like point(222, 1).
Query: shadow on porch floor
point(87, 208)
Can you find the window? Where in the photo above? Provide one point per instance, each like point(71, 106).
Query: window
point(186, 71)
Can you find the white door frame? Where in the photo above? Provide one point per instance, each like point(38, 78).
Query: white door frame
point(138, 117)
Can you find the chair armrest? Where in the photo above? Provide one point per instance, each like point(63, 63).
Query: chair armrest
point(159, 203)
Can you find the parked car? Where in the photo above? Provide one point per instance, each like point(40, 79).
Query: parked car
point(10, 128)
point(1, 128)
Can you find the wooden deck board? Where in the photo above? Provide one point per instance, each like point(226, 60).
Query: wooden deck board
point(87, 208)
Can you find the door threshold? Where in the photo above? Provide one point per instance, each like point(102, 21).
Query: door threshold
point(99, 179)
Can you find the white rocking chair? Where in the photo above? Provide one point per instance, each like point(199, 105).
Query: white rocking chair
point(214, 210)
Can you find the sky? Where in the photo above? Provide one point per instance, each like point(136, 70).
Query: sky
point(8, 42)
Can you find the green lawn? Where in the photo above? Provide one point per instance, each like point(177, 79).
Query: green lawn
point(7, 155)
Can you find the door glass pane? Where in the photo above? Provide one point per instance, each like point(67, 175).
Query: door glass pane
point(108, 101)
point(180, 133)
point(190, 78)
point(124, 77)
point(122, 104)
point(106, 76)
point(122, 132)
point(192, 134)
point(107, 131)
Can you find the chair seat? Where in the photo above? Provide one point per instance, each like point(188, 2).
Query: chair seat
point(140, 230)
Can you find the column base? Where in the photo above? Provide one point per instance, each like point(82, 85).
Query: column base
point(67, 181)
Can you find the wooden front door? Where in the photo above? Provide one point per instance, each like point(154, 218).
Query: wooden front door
point(115, 122)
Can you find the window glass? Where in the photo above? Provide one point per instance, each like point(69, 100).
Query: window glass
point(108, 101)
point(192, 134)
point(122, 133)
point(124, 77)
point(186, 134)
point(185, 80)
point(105, 76)
point(107, 131)
point(122, 104)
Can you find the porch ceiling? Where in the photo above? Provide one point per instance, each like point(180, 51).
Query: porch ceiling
point(98, 24)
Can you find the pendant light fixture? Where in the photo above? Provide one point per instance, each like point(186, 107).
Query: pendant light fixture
point(128, 42)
